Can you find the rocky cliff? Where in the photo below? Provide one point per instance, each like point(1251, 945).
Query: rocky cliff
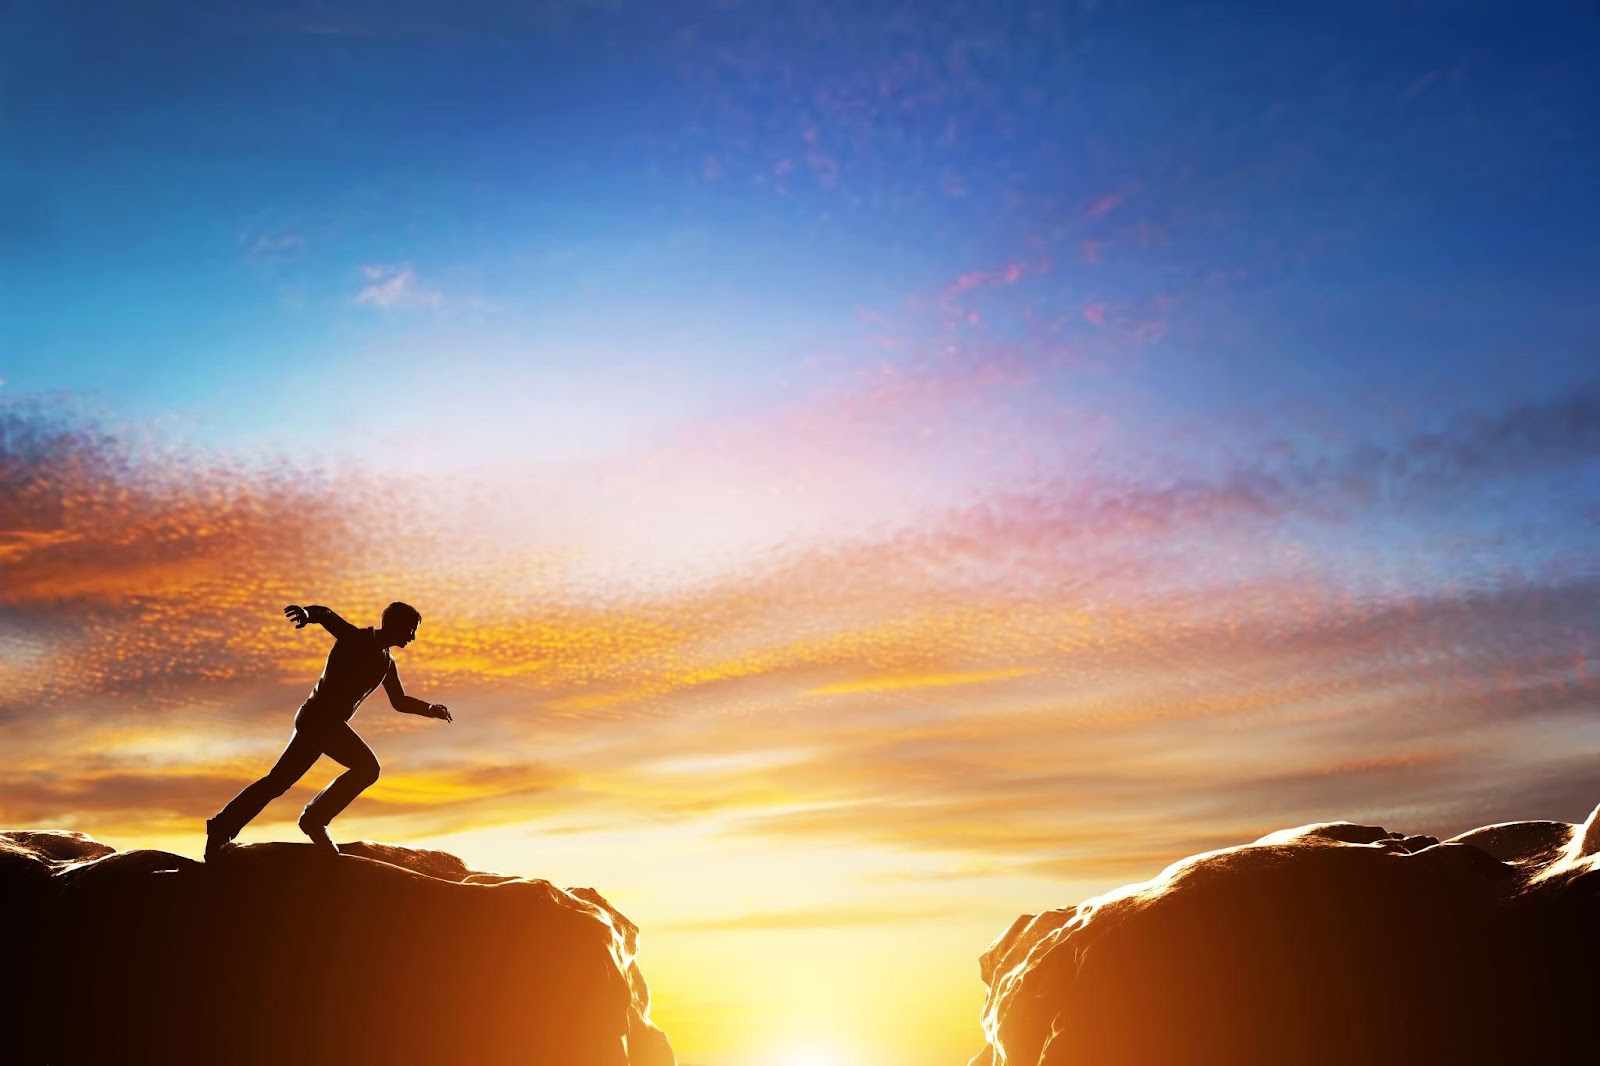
point(277, 954)
point(1328, 944)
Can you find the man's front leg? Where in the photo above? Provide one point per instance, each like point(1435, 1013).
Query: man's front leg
point(317, 831)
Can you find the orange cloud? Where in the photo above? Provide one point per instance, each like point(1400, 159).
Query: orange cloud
point(992, 669)
point(899, 682)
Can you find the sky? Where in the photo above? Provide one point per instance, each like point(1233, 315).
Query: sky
point(867, 471)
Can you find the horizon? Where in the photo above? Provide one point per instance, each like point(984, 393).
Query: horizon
point(866, 472)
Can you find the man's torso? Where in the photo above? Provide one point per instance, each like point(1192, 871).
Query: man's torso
point(356, 665)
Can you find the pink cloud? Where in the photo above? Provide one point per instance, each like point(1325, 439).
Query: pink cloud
point(1105, 204)
point(1146, 321)
point(967, 282)
point(824, 166)
point(1009, 274)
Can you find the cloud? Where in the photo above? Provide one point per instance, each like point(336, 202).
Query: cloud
point(1430, 470)
point(273, 246)
point(1050, 679)
point(901, 682)
point(1408, 708)
point(1010, 274)
point(147, 568)
point(1102, 206)
point(396, 288)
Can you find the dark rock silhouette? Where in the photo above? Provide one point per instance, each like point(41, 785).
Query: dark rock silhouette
point(1328, 944)
point(278, 953)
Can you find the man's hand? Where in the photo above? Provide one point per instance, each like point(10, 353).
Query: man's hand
point(297, 614)
point(439, 711)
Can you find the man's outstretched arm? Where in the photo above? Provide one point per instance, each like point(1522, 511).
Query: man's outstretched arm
point(322, 616)
point(410, 704)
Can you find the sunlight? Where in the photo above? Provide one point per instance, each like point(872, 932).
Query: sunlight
point(811, 1057)
point(883, 486)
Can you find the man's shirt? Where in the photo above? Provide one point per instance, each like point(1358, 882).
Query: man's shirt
point(356, 665)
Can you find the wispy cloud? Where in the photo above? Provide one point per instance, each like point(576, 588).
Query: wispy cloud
point(397, 288)
point(1102, 206)
point(1010, 274)
point(1046, 679)
point(902, 682)
point(274, 246)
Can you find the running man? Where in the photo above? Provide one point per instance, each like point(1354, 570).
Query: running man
point(358, 662)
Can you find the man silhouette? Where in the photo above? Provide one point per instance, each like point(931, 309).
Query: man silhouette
point(358, 662)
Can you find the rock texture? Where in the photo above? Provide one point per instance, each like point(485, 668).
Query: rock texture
point(277, 954)
point(1328, 944)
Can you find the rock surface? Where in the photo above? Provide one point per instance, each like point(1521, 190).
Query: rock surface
point(277, 954)
point(1327, 944)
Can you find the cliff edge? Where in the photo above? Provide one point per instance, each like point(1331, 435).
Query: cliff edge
point(276, 954)
point(1323, 945)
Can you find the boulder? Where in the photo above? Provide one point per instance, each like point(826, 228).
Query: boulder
point(1323, 945)
point(276, 953)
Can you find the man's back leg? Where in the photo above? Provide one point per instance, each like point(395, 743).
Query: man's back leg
point(291, 766)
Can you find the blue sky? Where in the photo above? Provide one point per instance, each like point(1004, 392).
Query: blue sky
point(1396, 197)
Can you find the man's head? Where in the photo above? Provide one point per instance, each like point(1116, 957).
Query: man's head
point(399, 627)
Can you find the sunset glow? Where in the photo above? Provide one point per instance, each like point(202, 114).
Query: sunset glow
point(863, 476)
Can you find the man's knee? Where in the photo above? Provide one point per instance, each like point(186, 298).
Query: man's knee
point(366, 772)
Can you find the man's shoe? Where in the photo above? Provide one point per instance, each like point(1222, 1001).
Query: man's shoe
point(318, 834)
point(217, 841)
